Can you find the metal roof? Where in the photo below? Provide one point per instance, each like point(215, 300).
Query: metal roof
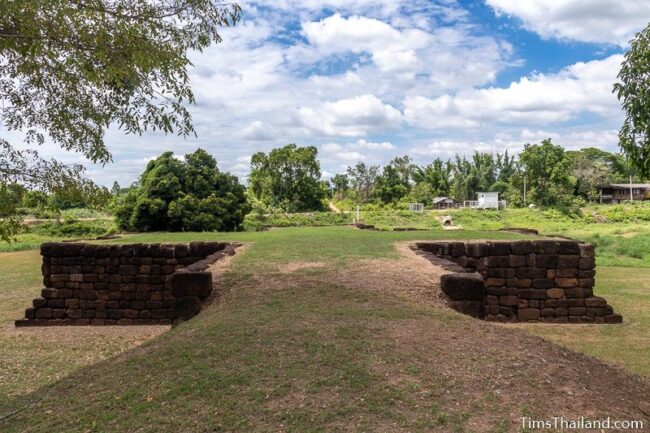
point(626, 185)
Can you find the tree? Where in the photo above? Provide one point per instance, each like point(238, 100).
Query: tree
point(189, 195)
point(632, 91)
point(340, 185)
point(363, 180)
point(69, 69)
point(404, 168)
point(547, 170)
point(390, 186)
point(288, 178)
point(438, 175)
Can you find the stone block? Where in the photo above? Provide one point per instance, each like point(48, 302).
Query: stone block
point(528, 314)
point(587, 250)
point(568, 262)
point(595, 301)
point(462, 286)
point(200, 284)
point(496, 291)
point(587, 263)
point(567, 273)
point(498, 248)
point(39, 302)
point(476, 249)
point(614, 318)
point(546, 261)
point(576, 302)
point(577, 311)
point(517, 261)
point(495, 282)
point(508, 301)
point(568, 247)
point(545, 247)
point(555, 293)
point(566, 282)
point(543, 283)
point(521, 247)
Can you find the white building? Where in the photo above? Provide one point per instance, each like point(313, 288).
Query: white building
point(488, 200)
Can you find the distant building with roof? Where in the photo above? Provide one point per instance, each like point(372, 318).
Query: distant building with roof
point(443, 203)
point(619, 192)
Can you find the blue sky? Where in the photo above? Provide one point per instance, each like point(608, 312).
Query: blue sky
point(373, 79)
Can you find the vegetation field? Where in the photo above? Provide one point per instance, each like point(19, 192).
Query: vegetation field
point(319, 329)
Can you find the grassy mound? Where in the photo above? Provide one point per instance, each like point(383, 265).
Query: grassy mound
point(314, 333)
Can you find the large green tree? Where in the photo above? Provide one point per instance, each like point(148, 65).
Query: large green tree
point(633, 91)
point(547, 170)
point(438, 175)
point(189, 195)
point(363, 180)
point(69, 69)
point(288, 178)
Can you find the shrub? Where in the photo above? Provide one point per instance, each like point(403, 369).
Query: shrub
point(190, 195)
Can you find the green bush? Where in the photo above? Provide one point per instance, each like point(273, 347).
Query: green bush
point(255, 221)
point(73, 228)
point(189, 195)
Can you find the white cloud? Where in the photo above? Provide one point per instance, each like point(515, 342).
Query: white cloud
point(351, 117)
point(540, 99)
point(600, 21)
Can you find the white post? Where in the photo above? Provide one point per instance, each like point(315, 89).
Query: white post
point(524, 190)
point(358, 214)
point(631, 196)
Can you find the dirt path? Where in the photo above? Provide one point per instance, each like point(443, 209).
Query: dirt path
point(333, 207)
point(490, 364)
point(324, 344)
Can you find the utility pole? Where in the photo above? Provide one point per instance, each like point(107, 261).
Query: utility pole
point(525, 190)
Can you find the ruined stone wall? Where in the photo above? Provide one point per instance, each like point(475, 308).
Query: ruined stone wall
point(135, 284)
point(539, 280)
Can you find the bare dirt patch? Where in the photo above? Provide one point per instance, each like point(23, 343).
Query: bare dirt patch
point(411, 275)
point(291, 267)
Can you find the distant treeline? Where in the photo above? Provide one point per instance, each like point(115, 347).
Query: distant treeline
point(193, 194)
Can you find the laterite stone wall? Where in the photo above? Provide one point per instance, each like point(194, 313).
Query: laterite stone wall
point(526, 281)
point(134, 284)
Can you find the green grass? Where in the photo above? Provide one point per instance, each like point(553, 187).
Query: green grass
point(328, 243)
point(52, 231)
point(627, 345)
point(294, 352)
point(34, 358)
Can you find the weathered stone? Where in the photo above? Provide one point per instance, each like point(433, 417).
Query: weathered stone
point(577, 311)
point(465, 286)
point(510, 301)
point(521, 247)
point(555, 293)
point(614, 318)
point(517, 261)
point(568, 262)
point(587, 263)
point(495, 282)
point(595, 301)
point(527, 314)
point(566, 282)
point(543, 283)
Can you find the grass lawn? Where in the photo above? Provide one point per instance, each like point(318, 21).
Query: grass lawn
point(315, 334)
point(627, 345)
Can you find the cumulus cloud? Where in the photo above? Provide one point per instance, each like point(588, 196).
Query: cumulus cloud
point(600, 21)
point(351, 117)
point(372, 79)
point(540, 99)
